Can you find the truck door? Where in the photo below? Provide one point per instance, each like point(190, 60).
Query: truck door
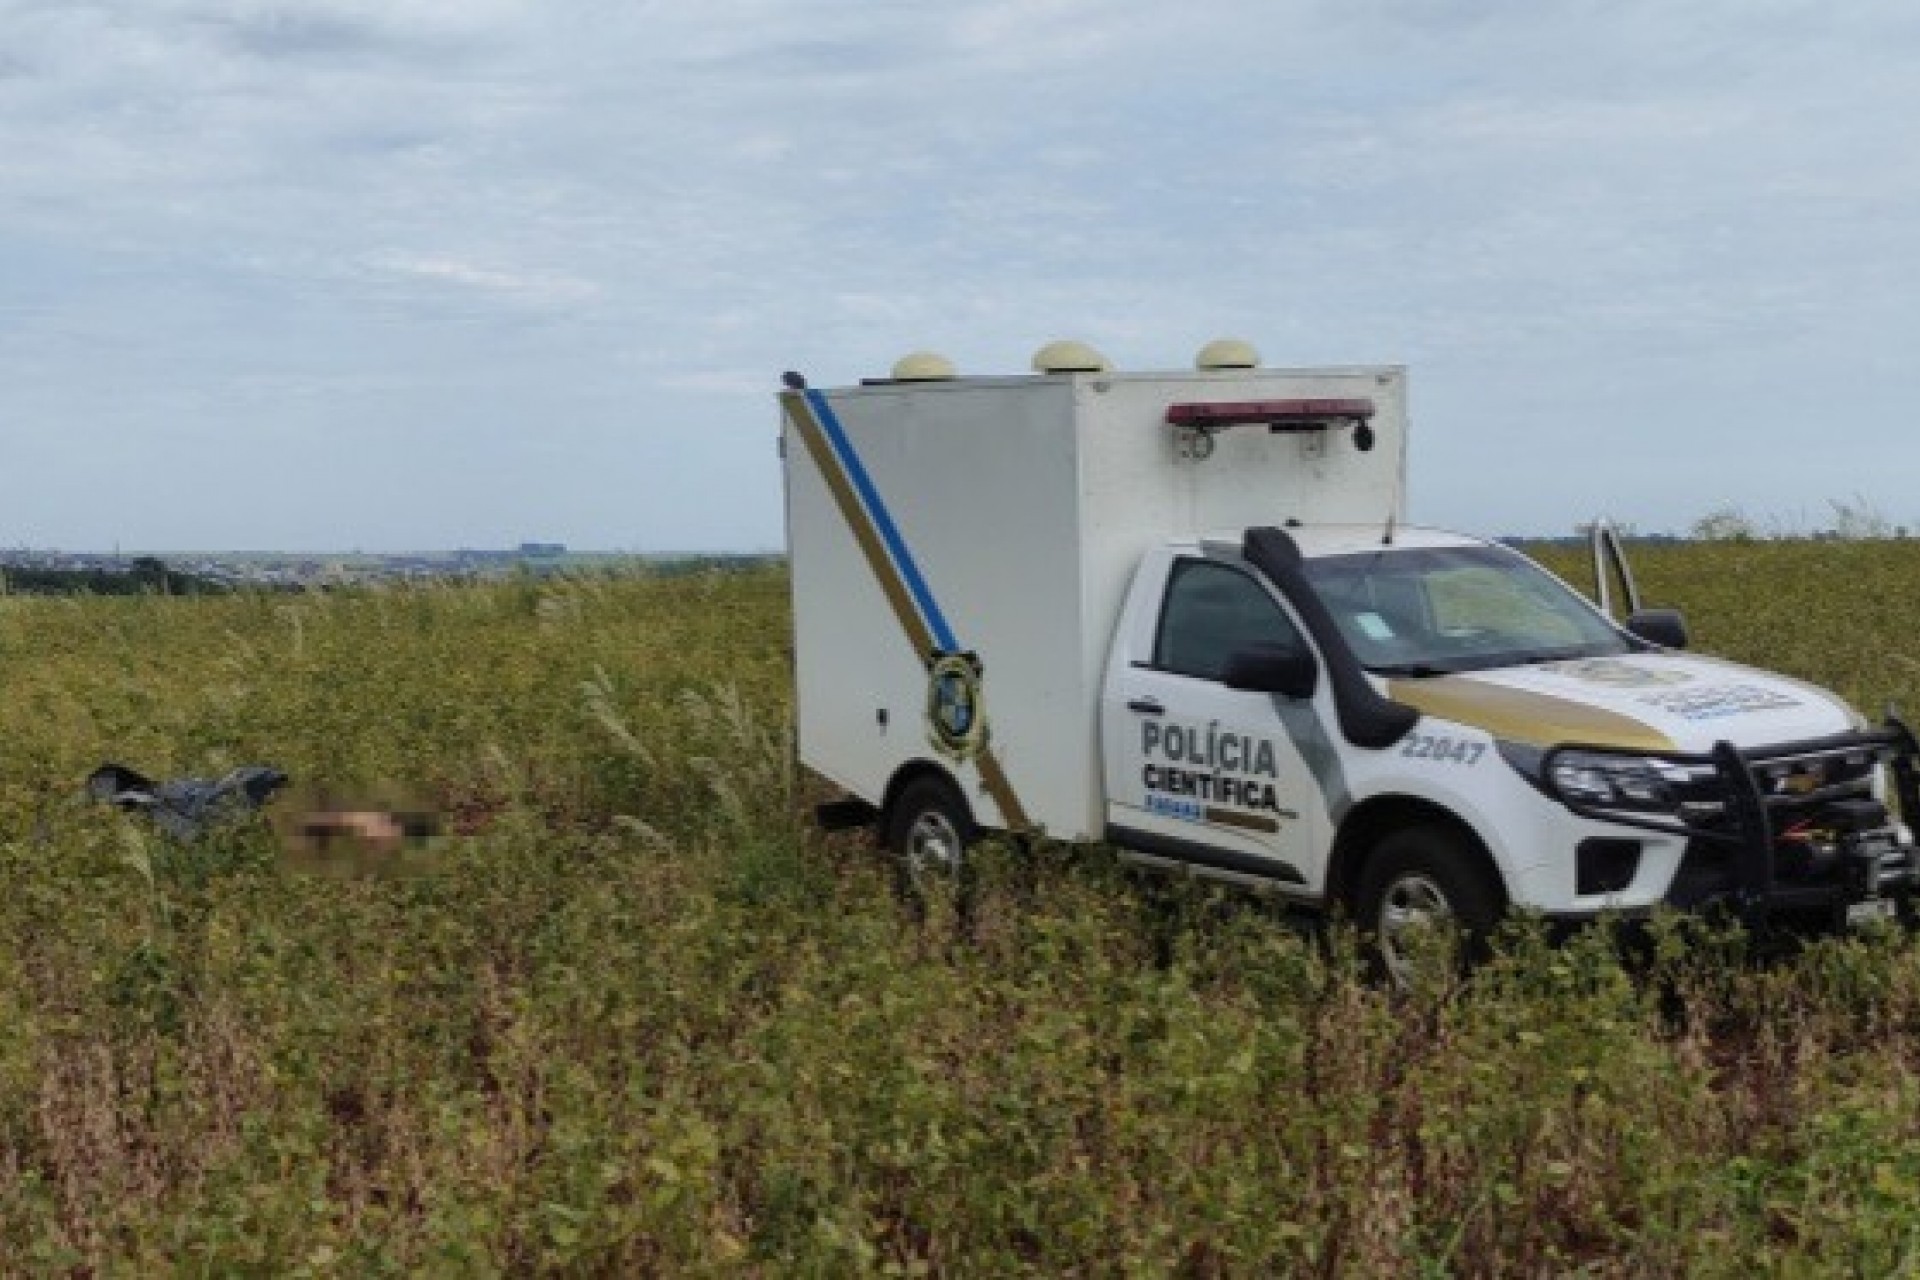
point(1197, 771)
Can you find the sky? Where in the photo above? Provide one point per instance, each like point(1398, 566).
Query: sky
point(412, 274)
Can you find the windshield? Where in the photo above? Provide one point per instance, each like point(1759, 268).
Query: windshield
point(1435, 610)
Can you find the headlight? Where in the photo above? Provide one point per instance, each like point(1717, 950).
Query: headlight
point(1616, 780)
point(1609, 781)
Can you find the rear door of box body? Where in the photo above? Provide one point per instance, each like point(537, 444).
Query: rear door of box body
point(936, 593)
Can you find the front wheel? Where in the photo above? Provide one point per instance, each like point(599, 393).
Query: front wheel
point(1427, 903)
point(928, 831)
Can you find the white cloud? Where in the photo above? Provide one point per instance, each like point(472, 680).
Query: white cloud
point(532, 286)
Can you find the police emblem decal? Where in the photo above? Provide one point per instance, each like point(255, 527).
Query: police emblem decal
point(956, 720)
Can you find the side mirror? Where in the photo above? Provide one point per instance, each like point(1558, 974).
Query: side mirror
point(1664, 627)
point(1269, 668)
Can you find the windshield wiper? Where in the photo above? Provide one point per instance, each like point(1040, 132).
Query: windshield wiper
point(1542, 657)
point(1479, 662)
point(1413, 670)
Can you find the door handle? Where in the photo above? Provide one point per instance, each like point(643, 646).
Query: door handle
point(1147, 706)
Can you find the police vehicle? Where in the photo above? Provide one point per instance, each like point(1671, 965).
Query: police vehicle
point(1183, 613)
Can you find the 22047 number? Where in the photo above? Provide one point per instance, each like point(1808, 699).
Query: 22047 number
point(1426, 746)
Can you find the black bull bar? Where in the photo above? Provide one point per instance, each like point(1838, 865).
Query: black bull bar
point(1868, 858)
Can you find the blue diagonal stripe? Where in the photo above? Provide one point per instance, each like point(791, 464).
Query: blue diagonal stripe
point(883, 521)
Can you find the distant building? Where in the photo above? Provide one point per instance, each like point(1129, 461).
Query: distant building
point(543, 550)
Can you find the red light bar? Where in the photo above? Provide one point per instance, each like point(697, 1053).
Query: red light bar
point(1278, 414)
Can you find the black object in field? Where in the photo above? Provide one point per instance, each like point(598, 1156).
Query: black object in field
point(184, 808)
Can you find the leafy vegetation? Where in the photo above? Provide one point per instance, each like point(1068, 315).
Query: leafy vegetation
point(632, 1016)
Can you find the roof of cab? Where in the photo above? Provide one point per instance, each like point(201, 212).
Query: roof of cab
point(1316, 540)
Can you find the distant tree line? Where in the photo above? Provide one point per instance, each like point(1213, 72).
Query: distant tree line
point(146, 575)
point(1853, 520)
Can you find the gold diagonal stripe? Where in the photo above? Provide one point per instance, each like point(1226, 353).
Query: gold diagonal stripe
point(861, 525)
point(1245, 821)
point(887, 575)
point(1001, 789)
point(1540, 719)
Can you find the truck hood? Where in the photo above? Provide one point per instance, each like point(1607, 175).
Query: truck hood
point(1643, 701)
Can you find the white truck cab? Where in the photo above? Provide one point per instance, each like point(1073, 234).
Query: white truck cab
point(1183, 613)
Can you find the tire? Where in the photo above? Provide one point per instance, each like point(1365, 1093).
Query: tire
point(1418, 877)
point(928, 831)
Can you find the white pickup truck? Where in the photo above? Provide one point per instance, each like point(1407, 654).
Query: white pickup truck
point(1183, 613)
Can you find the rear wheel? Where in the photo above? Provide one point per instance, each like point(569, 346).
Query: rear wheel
point(928, 831)
point(1427, 902)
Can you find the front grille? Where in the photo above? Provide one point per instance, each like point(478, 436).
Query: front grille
point(1794, 786)
point(1806, 780)
point(1825, 831)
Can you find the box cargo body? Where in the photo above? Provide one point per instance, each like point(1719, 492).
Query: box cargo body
point(1003, 518)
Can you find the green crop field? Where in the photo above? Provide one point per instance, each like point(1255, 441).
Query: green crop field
point(629, 1016)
